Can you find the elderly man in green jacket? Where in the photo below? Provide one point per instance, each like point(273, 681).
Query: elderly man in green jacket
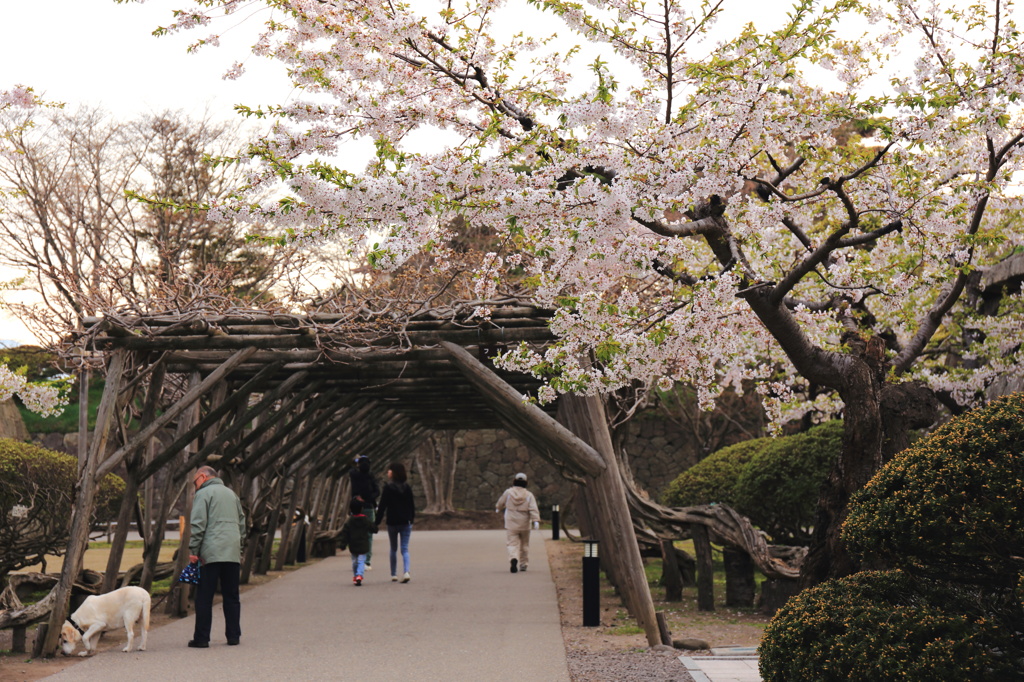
point(218, 526)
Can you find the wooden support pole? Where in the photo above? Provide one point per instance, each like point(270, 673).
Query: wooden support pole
point(85, 495)
point(131, 488)
point(606, 500)
point(264, 403)
point(530, 421)
point(298, 412)
point(300, 521)
point(272, 524)
point(671, 578)
point(84, 377)
point(172, 413)
point(286, 527)
point(705, 572)
point(177, 599)
point(308, 424)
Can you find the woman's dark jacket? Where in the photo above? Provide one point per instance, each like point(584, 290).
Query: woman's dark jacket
point(355, 534)
point(396, 500)
point(364, 485)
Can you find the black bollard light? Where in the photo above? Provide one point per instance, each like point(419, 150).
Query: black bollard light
point(591, 585)
point(554, 522)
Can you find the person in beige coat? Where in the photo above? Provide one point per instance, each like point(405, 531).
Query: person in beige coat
point(520, 513)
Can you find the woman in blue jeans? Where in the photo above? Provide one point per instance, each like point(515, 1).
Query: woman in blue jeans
point(397, 508)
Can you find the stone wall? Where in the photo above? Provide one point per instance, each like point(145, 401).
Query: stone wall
point(657, 451)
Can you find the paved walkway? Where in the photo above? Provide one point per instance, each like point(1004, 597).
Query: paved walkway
point(462, 617)
point(723, 666)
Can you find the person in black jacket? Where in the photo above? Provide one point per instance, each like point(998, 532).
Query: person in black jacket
point(356, 535)
point(366, 491)
point(398, 510)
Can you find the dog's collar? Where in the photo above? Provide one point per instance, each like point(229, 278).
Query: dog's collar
point(76, 626)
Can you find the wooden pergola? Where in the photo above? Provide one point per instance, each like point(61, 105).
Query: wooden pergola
point(273, 399)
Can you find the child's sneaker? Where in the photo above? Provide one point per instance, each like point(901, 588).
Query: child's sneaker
point(394, 578)
point(406, 577)
point(357, 581)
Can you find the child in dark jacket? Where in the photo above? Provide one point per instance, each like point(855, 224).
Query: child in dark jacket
point(355, 535)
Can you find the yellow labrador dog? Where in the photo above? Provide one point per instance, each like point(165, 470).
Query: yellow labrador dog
point(111, 611)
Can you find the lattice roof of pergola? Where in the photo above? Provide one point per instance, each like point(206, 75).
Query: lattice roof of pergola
point(391, 376)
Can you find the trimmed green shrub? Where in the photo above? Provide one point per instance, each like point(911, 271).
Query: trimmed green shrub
point(713, 478)
point(36, 494)
point(951, 505)
point(884, 626)
point(779, 487)
point(775, 482)
point(38, 364)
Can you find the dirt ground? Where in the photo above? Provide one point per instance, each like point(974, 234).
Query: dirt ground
point(615, 651)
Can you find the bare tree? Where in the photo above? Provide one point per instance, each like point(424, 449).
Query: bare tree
point(435, 460)
point(64, 218)
point(105, 216)
point(184, 174)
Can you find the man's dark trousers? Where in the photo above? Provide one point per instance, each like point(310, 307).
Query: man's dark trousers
point(227, 573)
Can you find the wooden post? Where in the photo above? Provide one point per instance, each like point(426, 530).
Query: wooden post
point(275, 519)
point(606, 500)
point(671, 578)
point(340, 502)
point(85, 494)
point(40, 640)
point(177, 598)
point(170, 494)
point(195, 392)
point(740, 585)
point(705, 573)
point(18, 639)
point(303, 506)
point(83, 416)
point(286, 528)
point(666, 634)
point(131, 488)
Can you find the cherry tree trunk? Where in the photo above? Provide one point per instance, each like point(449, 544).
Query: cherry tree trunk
point(436, 459)
point(876, 420)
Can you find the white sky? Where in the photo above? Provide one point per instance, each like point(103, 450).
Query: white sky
point(102, 53)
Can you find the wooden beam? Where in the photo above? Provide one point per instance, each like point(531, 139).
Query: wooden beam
point(607, 502)
point(85, 495)
point(130, 498)
point(270, 452)
point(303, 340)
point(536, 422)
point(174, 410)
point(218, 411)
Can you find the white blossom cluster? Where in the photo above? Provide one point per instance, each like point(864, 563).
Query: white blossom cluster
point(42, 399)
point(907, 179)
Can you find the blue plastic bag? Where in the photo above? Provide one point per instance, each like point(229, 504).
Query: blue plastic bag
point(190, 574)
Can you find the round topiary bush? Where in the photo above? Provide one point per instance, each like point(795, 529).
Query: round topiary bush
point(774, 482)
point(36, 495)
point(952, 505)
point(713, 478)
point(882, 626)
point(779, 487)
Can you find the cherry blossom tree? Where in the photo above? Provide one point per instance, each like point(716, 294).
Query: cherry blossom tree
point(785, 206)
